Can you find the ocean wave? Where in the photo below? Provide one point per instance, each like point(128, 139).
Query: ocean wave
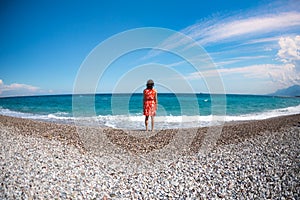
point(55, 117)
point(161, 122)
point(267, 114)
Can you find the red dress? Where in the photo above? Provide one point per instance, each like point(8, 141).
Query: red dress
point(149, 102)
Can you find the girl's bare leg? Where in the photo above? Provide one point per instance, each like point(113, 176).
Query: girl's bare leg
point(152, 123)
point(146, 122)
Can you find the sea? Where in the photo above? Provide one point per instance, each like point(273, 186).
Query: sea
point(125, 111)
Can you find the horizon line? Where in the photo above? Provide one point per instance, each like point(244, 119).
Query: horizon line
point(126, 93)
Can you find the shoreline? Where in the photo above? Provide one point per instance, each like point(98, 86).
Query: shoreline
point(256, 159)
point(232, 132)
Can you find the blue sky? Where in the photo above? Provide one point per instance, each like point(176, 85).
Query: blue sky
point(254, 45)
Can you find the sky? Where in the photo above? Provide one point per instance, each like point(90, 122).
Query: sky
point(253, 46)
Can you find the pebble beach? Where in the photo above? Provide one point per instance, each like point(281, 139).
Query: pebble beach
point(250, 160)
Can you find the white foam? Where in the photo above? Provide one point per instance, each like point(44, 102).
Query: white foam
point(11, 113)
point(50, 117)
point(161, 122)
point(267, 114)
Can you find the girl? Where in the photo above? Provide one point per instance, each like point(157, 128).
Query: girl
point(150, 103)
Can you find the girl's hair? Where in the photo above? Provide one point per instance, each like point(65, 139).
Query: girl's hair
point(150, 86)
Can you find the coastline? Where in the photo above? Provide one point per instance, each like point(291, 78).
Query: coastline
point(232, 132)
point(252, 159)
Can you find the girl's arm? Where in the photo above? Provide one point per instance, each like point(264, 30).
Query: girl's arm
point(156, 100)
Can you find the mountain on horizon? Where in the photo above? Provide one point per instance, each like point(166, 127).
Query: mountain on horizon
point(290, 91)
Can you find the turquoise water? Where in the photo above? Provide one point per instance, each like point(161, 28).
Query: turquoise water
point(125, 110)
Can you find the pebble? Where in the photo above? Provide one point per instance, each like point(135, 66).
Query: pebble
point(265, 166)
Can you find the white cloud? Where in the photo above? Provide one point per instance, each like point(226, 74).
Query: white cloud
point(234, 27)
point(238, 59)
point(247, 38)
point(289, 53)
point(247, 30)
point(17, 89)
point(263, 40)
point(283, 75)
point(289, 49)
